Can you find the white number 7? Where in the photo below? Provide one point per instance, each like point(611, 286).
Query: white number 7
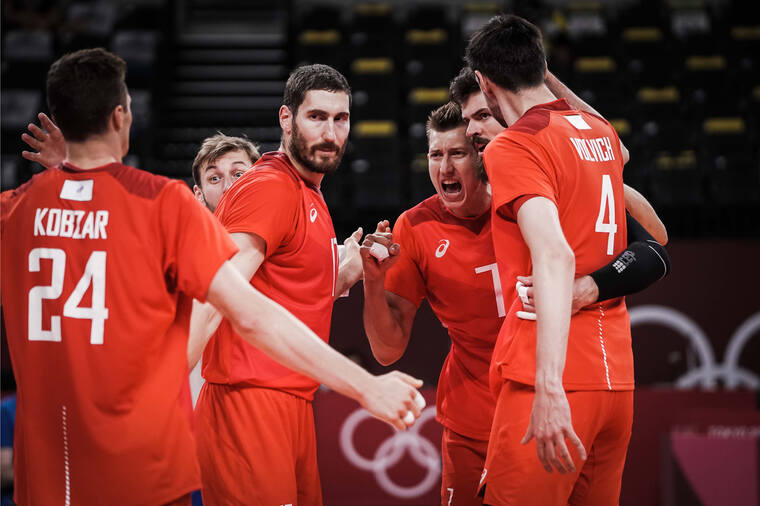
point(608, 197)
point(496, 285)
point(94, 273)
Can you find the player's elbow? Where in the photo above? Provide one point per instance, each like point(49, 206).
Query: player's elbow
point(662, 235)
point(559, 255)
point(386, 355)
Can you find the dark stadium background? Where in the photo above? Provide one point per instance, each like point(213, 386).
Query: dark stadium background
point(679, 80)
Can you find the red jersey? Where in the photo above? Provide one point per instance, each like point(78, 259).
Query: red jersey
point(572, 158)
point(450, 260)
point(94, 262)
point(299, 272)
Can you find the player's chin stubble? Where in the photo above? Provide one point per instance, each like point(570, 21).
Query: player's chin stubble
point(307, 156)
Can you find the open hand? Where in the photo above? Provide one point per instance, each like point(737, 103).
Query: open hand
point(48, 143)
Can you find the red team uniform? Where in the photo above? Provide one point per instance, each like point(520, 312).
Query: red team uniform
point(255, 424)
point(98, 340)
point(572, 158)
point(450, 260)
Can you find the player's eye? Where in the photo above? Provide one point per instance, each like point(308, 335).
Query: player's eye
point(484, 116)
point(239, 173)
point(213, 179)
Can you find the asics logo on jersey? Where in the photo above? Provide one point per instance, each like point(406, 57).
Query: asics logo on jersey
point(391, 451)
point(443, 245)
point(313, 214)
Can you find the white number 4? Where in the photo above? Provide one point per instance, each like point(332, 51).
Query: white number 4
point(94, 274)
point(608, 197)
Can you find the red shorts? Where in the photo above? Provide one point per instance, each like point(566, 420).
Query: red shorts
point(463, 462)
point(601, 419)
point(256, 446)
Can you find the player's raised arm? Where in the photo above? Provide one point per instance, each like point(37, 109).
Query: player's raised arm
point(205, 318)
point(269, 327)
point(388, 317)
point(643, 212)
point(553, 269)
point(559, 89)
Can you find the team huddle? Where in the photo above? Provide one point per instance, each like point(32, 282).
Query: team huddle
point(116, 282)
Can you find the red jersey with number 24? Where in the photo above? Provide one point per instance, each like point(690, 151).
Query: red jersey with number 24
point(96, 265)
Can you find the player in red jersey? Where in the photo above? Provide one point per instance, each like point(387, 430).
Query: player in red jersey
point(557, 172)
point(255, 421)
point(95, 256)
point(444, 252)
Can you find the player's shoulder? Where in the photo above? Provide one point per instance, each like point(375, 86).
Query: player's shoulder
point(429, 210)
point(141, 183)
point(10, 198)
point(272, 171)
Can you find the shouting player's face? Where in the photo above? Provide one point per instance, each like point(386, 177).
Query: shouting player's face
point(482, 127)
point(454, 168)
point(320, 130)
point(217, 176)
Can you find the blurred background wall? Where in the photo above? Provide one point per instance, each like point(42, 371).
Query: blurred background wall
point(679, 80)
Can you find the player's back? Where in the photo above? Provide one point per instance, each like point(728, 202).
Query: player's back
point(579, 164)
point(90, 284)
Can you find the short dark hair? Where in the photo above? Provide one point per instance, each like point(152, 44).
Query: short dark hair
point(83, 89)
point(445, 118)
point(218, 146)
point(312, 77)
point(463, 85)
point(508, 51)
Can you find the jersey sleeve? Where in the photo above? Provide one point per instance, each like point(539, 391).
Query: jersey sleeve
point(265, 204)
point(196, 245)
point(404, 278)
point(515, 169)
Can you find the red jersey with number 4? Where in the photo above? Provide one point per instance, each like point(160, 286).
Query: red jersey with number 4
point(572, 158)
point(299, 271)
point(94, 263)
point(450, 260)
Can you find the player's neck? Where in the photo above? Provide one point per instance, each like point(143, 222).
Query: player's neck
point(314, 178)
point(93, 153)
point(515, 105)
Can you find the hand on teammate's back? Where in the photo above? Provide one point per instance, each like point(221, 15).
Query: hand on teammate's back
point(391, 397)
point(374, 268)
point(585, 293)
point(47, 141)
point(550, 424)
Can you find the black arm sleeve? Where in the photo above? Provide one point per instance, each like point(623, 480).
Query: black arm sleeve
point(642, 263)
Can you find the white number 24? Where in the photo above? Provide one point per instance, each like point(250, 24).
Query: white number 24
point(94, 274)
point(608, 198)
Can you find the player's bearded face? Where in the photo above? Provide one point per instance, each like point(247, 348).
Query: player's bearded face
point(322, 156)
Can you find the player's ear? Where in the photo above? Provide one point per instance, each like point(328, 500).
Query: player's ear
point(486, 86)
point(117, 117)
point(286, 119)
point(199, 194)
